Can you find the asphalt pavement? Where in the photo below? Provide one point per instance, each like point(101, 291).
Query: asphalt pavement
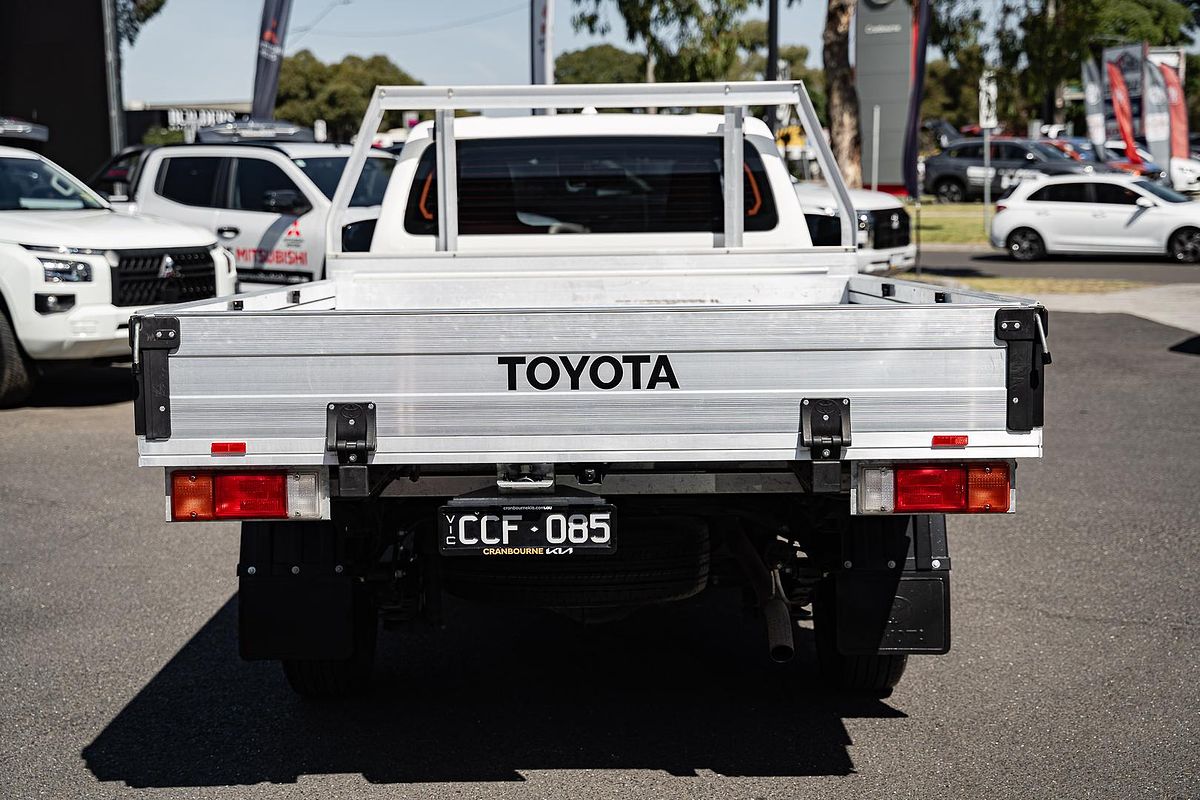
point(1072, 674)
point(982, 262)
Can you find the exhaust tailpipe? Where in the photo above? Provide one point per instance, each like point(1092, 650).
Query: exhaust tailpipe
point(780, 641)
point(768, 590)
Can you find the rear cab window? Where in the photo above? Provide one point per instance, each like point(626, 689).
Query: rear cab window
point(590, 184)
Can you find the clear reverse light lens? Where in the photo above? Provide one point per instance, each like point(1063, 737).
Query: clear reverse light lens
point(303, 495)
point(876, 490)
point(56, 270)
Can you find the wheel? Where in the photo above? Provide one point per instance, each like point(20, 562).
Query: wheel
point(949, 190)
point(16, 371)
point(873, 674)
point(331, 678)
point(1184, 245)
point(1025, 244)
point(658, 559)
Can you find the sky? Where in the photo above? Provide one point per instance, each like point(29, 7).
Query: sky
point(204, 50)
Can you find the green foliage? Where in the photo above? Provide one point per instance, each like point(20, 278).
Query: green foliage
point(600, 63)
point(337, 93)
point(690, 40)
point(132, 14)
point(162, 136)
point(1035, 47)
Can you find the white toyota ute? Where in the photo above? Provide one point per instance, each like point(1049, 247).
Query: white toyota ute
point(591, 363)
point(72, 270)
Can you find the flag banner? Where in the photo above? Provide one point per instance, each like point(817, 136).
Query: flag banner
point(912, 132)
point(270, 55)
point(1122, 111)
point(1156, 119)
point(1128, 60)
point(1177, 110)
point(1093, 97)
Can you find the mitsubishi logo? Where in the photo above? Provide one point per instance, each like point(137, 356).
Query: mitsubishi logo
point(167, 268)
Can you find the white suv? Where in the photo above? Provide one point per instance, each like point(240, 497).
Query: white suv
point(266, 202)
point(72, 270)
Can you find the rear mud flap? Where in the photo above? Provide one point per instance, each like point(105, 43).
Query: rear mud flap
point(893, 597)
point(293, 602)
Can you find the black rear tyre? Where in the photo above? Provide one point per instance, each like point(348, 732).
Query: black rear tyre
point(332, 678)
point(868, 674)
point(1025, 244)
point(16, 372)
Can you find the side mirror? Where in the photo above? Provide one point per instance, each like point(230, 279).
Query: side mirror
point(285, 201)
point(357, 236)
point(1145, 202)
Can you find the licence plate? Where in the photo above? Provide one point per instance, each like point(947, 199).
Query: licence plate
point(527, 529)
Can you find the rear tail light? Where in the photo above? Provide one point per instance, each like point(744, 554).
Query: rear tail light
point(246, 494)
point(935, 488)
point(1000, 207)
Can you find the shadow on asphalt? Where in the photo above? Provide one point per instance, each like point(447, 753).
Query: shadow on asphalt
point(676, 689)
point(1189, 346)
point(83, 386)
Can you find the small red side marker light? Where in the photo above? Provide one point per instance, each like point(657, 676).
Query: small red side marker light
point(228, 448)
point(949, 441)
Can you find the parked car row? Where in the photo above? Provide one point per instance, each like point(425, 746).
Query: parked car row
point(958, 173)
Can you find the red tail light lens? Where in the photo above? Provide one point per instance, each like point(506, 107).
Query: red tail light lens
point(256, 495)
point(925, 489)
point(1000, 208)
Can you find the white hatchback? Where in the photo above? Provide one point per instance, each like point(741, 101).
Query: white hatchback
point(1111, 214)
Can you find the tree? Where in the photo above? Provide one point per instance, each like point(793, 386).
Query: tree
point(337, 93)
point(689, 40)
point(842, 96)
point(600, 63)
point(132, 14)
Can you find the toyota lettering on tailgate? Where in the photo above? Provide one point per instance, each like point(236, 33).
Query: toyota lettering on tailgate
point(602, 372)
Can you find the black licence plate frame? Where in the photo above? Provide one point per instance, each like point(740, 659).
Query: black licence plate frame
point(512, 526)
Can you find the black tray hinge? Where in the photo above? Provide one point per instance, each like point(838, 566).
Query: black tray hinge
point(825, 430)
point(350, 433)
point(1027, 356)
point(156, 339)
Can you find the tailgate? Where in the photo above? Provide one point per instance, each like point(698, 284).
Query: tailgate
point(694, 384)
